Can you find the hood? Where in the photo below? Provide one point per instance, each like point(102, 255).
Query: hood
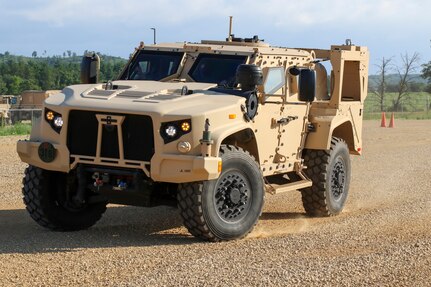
point(145, 96)
point(144, 91)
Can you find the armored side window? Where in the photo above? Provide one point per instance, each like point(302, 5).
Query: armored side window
point(274, 81)
point(152, 65)
point(218, 69)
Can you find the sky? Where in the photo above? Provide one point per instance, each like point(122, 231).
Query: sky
point(387, 28)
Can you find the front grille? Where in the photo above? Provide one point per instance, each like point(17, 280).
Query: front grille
point(110, 147)
point(82, 133)
point(137, 136)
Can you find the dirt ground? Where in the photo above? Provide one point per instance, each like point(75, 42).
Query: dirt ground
point(382, 238)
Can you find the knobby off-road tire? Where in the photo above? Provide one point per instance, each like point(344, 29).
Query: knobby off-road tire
point(330, 172)
point(43, 193)
point(226, 208)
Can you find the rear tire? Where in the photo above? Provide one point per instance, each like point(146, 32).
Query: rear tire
point(226, 208)
point(44, 192)
point(330, 172)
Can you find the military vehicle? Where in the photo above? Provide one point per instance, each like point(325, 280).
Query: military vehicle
point(4, 117)
point(209, 127)
point(28, 105)
point(5, 105)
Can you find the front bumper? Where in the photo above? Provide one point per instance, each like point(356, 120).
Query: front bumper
point(28, 152)
point(162, 168)
point(183, 168)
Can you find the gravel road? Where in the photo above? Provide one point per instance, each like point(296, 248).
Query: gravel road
point(382, 238)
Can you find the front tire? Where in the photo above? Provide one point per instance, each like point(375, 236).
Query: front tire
point(226, 208)
point(329, 171)
point(44, 196)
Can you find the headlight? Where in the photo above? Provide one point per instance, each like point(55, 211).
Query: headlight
point(58, 121)
point(54, 119)
point(171, 131)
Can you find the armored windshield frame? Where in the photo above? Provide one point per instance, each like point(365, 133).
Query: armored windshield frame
point(216, 68)
point(152, 65)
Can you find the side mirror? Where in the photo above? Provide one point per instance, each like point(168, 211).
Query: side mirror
point(307, 85)
point(90, 68)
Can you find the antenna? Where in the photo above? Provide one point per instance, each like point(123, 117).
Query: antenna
point(154, 35)
point(230, 29)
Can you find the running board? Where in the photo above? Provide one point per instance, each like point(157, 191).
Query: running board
point(276, 188)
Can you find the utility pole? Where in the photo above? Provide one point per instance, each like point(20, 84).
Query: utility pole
point(154, 35)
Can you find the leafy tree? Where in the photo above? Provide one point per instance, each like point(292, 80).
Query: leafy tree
point(45, 78)
point(426, 74)
point(3, 87)
point(19, 73)
point(417, 87)
point(13, 84)
point(426, 71)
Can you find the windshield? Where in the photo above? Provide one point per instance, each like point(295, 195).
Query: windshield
point(218, 69)
point(152, 65)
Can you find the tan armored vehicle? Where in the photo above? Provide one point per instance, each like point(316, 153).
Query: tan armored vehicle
point(209, 127)
point(28, 105)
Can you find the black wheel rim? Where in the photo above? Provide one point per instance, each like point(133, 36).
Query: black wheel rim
point(232, 196)
point(338, 178)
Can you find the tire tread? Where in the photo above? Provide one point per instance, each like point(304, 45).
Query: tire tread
point(190, 203)
point(38, 204)
point(314, 198)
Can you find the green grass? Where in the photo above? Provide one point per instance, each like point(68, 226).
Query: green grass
point(414, 107)
point(18, 129)
point(412, 103)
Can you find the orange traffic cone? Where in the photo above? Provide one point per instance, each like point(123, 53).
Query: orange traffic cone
point(392, 122)
point(383, 124)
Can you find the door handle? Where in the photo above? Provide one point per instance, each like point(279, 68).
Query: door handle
point(287, 120)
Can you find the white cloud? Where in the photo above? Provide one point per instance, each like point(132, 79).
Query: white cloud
point(279, 13)
point(97, 11)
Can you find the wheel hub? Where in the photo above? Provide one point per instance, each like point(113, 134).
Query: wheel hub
point(338, 179)
point(232, 196)
point(235, 196)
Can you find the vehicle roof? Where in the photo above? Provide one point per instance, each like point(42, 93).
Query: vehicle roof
point(227, 47)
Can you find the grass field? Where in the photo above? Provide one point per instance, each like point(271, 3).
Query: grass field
point(413, 102)
point(415, 106)
point(18, 129)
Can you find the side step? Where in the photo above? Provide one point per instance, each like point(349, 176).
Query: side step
point(277, 188)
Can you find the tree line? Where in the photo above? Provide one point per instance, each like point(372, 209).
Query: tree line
point(19, 73)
